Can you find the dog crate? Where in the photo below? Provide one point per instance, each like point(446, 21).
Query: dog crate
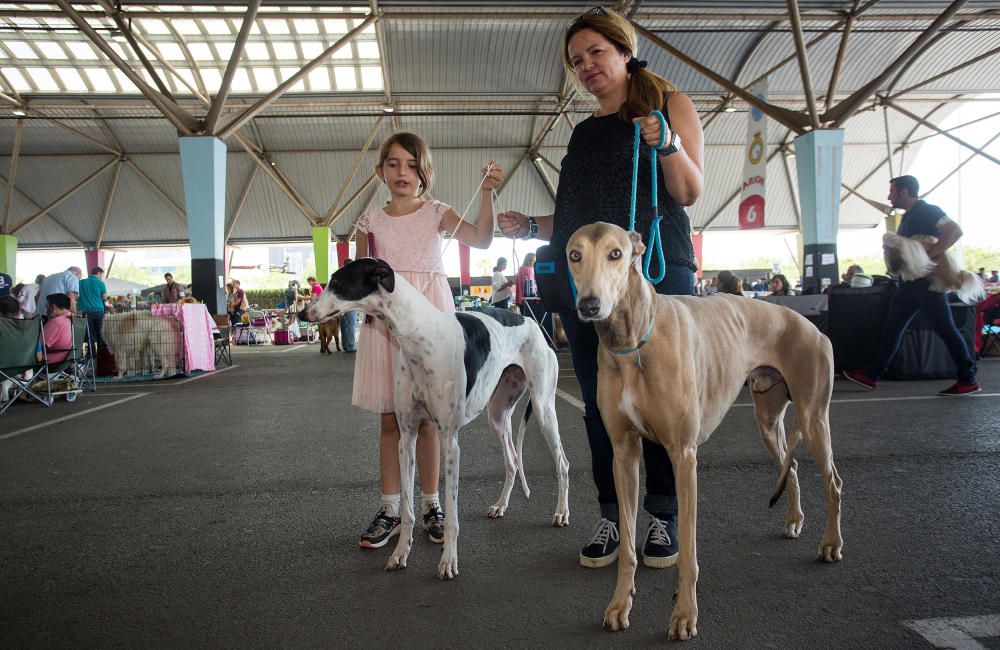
point(141, 345)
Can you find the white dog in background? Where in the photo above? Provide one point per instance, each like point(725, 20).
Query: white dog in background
point(908, 257)
point(139, 340)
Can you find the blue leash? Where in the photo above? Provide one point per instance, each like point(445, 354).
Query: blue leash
point(655, 240)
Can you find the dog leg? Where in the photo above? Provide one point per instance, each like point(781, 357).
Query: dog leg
point(684, 618)
point(448, 566)
point(543, 397)
point(770, 400)
point(408, 425)
point(499, 410)
point(816, 431)
point(627, 449)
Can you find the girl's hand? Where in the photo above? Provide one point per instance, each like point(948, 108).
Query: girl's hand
point(512, 224)
point(495, 178)
point(649, 129)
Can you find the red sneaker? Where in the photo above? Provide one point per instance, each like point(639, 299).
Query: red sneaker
point(960, 388)
point(861, 379)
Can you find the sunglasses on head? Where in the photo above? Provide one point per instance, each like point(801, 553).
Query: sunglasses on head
point(590, 13)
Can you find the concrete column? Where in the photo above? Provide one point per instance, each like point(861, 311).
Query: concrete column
point(819, 156)
point(698, 241)
point(464, 262)
point(321, 253)
point(8, 256)
point(95, 257)
point(203, 166)
point(343, 252)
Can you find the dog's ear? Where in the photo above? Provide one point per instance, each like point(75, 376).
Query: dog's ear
point(638, 248)
point(385, 276)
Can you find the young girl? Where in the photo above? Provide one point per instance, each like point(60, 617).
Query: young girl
point(407, 233)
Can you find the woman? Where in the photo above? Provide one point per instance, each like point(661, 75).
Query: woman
point(779, 285)
point(501, 285)
point(600, 49)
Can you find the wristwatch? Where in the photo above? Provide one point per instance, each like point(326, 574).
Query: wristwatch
point(672, 147)
point(532, 229)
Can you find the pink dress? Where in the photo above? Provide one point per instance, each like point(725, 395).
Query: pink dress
point(411, 244)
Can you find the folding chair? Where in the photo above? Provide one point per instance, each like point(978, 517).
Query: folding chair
point(18, 344)
point(223, 352)
point(86, 372)
point(66, 369)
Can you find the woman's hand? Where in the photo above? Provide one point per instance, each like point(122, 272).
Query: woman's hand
point(512, 224)
point(650, 130)
point(494, 179)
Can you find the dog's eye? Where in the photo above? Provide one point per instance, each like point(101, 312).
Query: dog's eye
point(574, 256)
point(615, 254)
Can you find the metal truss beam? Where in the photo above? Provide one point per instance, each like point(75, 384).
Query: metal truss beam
point(59, 200)
point(212, 119)
point(328, 216)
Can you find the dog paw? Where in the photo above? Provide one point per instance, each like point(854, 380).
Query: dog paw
point(830, 551)
point(683, 626)
point(448, 568)
point(793, 529)
point(560, 519)
point(497, 510)
point(616, 615)
point(397, 562)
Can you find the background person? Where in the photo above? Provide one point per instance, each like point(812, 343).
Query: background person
point(93, 296)
point(172, 291)
point(348, 324)
point(67, 282)
point(780, 286)
point(58, 329)
point(28, 296)
point(921, 218)
point(501, 285)
point(599, 48)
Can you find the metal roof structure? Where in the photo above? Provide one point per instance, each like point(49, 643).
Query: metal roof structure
point(93, 97)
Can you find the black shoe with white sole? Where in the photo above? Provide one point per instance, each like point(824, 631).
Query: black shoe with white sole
point(602, 549)
point(660, 550)
point(434, 524)
point(383, 528)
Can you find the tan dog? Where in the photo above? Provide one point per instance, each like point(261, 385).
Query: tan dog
point(329, 330)
point(907, 256)
point(694, 355)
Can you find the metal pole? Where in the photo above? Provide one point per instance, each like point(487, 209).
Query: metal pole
point(917, 118)
point(960, 165)
point(177, 116)
point(86, 137)
point(350, 201)
point(15, 152)
point(266, 100)
point(841, 51)
point(212, 119)
point(107, 205)
point(947, 72)
point(52, 206)
point(163, 195)
point(845, 109)
point(888, 140)
point(791, 189)
point(545, 179)
point(792, 119)
point(307, 212)
point(240, 202)
point(328, 216)
point(800, 52)
point(116, 15)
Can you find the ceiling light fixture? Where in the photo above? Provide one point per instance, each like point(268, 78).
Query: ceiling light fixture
point(20, 112)
point(388, 109)
point(729, 109)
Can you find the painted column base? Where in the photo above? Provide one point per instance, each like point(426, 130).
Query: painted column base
point(208, 284)
point(8, 256)
point(824, 274)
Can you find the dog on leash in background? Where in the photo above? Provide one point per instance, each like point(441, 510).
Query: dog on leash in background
point(908, 257)
point(669, 368)
point(449, 368)
point(329, 330)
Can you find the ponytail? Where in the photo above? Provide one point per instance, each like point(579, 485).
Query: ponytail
point(647, 91)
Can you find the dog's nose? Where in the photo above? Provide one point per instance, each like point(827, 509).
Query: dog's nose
point(589, 307)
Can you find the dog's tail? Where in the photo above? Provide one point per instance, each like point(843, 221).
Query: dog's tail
point(785, 467)
point(971, 290)
point(520, 443)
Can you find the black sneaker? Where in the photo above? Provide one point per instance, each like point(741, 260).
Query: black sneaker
point(660, 549)
point(382, 528)
point(602, 549)
point(434, 524)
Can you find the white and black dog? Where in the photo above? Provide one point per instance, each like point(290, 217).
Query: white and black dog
point(449, 368)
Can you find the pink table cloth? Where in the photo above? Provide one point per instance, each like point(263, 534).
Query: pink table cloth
point(196, 323)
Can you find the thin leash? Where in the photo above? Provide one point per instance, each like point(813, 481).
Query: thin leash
point(655, 239)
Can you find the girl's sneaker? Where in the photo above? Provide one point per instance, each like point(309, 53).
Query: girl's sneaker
point(382, 528)
point(434, 524)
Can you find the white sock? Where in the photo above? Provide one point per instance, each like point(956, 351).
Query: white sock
point(390, 503)
point(429, 501)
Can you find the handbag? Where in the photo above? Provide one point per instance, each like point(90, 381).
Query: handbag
point(553, 281)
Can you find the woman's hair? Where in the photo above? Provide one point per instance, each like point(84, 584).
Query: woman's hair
point(784, 284)
point(500, 262)
point(417, 148)
point(647, 90)
point(311, 279)
point(727, 282)
point(529, 259)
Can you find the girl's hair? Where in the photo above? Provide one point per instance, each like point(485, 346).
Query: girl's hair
point(529, 256)
point(16, 291)
point(647, 90)
point(784, 283)
point(417, 148)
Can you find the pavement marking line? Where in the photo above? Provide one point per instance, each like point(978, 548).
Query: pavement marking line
point(293, 347)
point(888, 399)
point(71, 416)
point(569, 398)
point(204, 374)
point(959, 632)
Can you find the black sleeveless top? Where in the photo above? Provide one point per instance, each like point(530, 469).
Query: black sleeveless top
point(595, 184)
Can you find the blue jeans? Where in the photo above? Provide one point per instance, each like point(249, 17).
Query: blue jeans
point(906, 301)
point(661, 494)
point(348, 326)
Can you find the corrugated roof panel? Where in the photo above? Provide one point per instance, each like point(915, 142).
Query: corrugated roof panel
point(484, 131)
point(141, 136)
point(139, 213)
point(320, 133)
point(269, 214)
point(41, 136)
point(477, 57)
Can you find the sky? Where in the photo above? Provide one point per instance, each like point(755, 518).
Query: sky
point(968, 197)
